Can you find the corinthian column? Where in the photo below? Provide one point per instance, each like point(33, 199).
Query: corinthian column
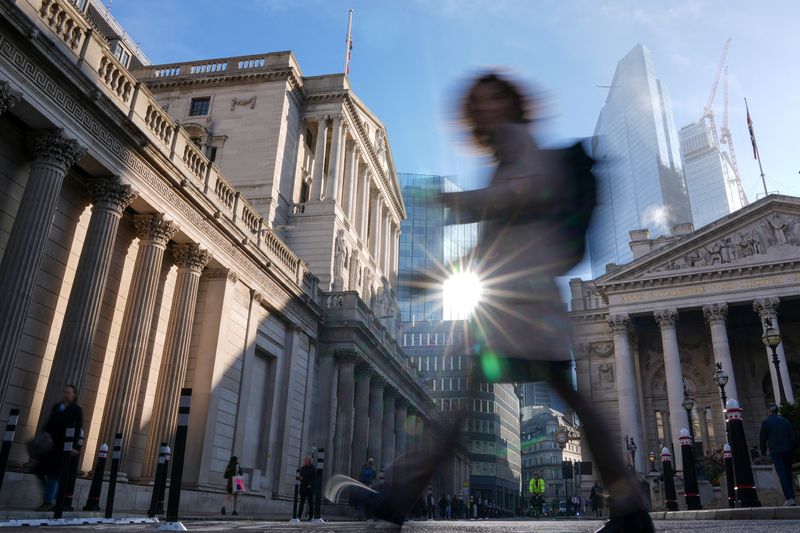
point(387, 438)
point(53, 155)
point(400, 420)
point(344, 412)
point(377, 384)
point(319, 160)
point(362, 217)
point(667, 319)
point(8, 96)
point(109, 199)
point(123, 392)
point(716, 315)
point(361, 423)
point(334, 163)
point(627, 392)
point(190, 260)
point(352, 184)
point(767, 309)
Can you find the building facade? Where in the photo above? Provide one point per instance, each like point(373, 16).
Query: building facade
point(649, 333)
point(640, 174)
point(539, 393)
point(710, 178)
point(134, 265)
point(541, 453)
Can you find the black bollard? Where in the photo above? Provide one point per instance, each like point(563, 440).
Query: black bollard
point(670, 497)
point(729, 480)
point(162, 488)
point(689, 474)
point(162, 451)
point(69, 490)
point(93, 501)
point(116, 454)
point(745, 484)
point(66, 457)
point(295, 518)
point(8, 439)
point(181, 431)
point(318, 486)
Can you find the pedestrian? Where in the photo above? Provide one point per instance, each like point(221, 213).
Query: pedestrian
point(536, 491)
point(307, 476)
point(47, 449)
point(449, 507)
point(778, 434)
point(442, 506)
point(366, 476)
point(233, 477)
point(430, 505)
point(596, 499)
point(474, 508)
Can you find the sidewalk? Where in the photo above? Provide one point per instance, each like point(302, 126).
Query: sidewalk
point(748, 513)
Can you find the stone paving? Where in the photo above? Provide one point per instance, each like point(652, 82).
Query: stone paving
point(506, 526)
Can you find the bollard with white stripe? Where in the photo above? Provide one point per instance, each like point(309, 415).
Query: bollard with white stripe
point(66, 456)
point(93, 501)
point(162, 488)
point(670, 497)
point(116, 454)
point(69, 489)
point(295, 519)
point(318, 487)
point(181, 431)
point(162, 452)
point(745, 484)
point(727, 456)
point(8, 439)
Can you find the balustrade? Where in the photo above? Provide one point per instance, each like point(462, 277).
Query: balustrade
point(159, 122)
point(68, 26)
point(195, 161)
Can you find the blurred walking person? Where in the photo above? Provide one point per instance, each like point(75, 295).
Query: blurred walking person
point(233, 475)
point(778, 434)
point(307, 476)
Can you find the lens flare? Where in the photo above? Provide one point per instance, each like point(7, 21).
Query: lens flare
point(462, 292)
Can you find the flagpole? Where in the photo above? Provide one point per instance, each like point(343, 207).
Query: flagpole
point(755, 148)
point(348, 43)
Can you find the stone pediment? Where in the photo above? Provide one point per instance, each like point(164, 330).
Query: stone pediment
point(767, 231)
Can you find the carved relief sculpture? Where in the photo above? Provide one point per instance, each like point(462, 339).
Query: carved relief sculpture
point(605, 376)
point(353, 271)
point(338, 261)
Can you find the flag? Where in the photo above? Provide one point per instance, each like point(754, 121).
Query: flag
point(349, 50)
point(752, 132)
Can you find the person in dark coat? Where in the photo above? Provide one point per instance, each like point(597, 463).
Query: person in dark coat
point(231, 471)
point(596, 499)
point(778, 434)
point(49, 463)
point(307, 476)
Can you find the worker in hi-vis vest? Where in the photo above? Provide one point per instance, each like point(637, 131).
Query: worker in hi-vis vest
point(536, 489)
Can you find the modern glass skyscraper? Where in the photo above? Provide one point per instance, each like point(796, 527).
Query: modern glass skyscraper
point(710, 178)
point(640, 176)
point(426, 243)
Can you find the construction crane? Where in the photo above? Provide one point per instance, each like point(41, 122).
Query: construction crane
point(728, 140)
point(708, 111)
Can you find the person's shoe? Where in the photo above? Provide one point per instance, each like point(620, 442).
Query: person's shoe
point(637, 522)
point(235, 512)
point(223, 510)
point(791, 502)
point(44, 507)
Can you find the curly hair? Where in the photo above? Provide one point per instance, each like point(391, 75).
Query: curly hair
point(520, 103)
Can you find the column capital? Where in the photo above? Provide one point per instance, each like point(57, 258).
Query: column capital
point(666, 318)
point(52, 146)
point(346, 357)
point(766, 307)
point(112, 194)
point(8, 96)
point(389, 390)
point(377, 381)
point(717, 312)
point(364, 370)
point(154, 228)
point(619, 324)
point(190, 256)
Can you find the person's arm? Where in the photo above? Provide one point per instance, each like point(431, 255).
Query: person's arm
point(763, 436)
point(511, 197)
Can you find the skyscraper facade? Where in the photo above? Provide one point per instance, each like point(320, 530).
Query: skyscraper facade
point(710, 178)
point(640, 175)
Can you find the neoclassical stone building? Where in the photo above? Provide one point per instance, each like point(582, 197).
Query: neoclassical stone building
point(648, 333)
point(227, 225)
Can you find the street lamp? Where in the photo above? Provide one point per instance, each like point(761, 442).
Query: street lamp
point(652, 457)
point(771, 339)
point(688, 404)
point(721, 378)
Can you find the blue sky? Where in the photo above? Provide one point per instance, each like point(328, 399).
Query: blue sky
point(411, 56)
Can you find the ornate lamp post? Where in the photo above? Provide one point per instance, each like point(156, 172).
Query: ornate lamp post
point(688, 404)
point(721, 378)
point(772, 339)
point(652, 457)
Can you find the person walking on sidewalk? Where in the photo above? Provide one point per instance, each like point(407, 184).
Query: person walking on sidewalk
point(778, 434)
point(307, 476)
point(536, 490)
point(47, 449)
point(232, 471)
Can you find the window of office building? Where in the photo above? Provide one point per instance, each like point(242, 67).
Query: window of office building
point(199, 106)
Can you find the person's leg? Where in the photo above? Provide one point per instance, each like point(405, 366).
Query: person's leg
point(301, 504)
point(235, 510)
point(51, 490)
point(783, 469)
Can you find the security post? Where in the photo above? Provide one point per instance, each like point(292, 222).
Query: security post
point(318, 487)
point(116, 453)
point(670, 497)
point(162, 452)
point(8, 439)
point(69, 440)
point(182, 429)
point(93, 501)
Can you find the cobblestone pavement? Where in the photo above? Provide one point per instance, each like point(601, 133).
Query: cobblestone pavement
point(509, 526)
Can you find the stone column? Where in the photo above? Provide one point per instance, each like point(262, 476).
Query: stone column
point(374, 210)
point(376, 418)
point(412, 443)
point(53, 155)
point(717, 315)
point(8, 96)
point(361, 430)
point(387, 439)
point(352, 184)
point(190, 260)
point(400, 421)
point(334, 166)
point(123, 392)
point(767, 309)
point(344, 412)
point(110, 197)
point(667, 319)
point(365, 203)
point(419, 437)
point(385, 243)
point(319, 160)
point(627, 391)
